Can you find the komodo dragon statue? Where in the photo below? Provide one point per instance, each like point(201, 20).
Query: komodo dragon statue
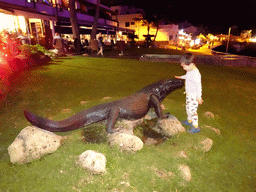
point(134, 106)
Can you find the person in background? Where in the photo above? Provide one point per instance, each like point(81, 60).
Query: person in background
point(100, 44)
point(66, 44)
point(23, 39)
point(58, 43)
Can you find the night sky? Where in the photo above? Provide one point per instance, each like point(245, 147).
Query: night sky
point(214, 16)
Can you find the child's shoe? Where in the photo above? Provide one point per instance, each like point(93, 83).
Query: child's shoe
point(193, 129)
point(186, 123)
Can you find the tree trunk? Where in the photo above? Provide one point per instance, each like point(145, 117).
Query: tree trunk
point(157, 28)
point(75, 27)
point(94, 42)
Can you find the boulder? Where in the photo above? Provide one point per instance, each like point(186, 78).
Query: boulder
point(185, 172)
point(125, 142)
point(209, 115)
point(92, 161)
point(127, 126)
point(32, 143)
point(206, 145)
point(169, 127)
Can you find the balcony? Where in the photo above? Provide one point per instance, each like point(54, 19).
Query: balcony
point(21, 6)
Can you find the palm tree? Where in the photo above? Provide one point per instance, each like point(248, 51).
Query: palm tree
point(153, 17)
point(94, 42)
point(157, 22)
point(75, 27)
point(150, 21)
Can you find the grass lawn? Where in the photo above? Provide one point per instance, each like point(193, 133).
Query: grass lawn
point(56, 90)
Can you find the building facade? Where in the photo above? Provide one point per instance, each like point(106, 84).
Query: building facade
point(39, 20)
point(128, 18)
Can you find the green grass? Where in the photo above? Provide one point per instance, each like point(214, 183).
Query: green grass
point(229, 93)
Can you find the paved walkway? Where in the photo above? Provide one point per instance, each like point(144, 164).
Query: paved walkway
point(204, 50)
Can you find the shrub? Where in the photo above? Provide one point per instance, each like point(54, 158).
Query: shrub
point(25, 50)
point(28, 50)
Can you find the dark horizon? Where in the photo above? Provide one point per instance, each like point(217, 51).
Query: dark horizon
point(215, 17)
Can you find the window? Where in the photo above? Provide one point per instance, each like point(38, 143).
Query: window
point(127, 24)
point(132, 23)
point(65, 3)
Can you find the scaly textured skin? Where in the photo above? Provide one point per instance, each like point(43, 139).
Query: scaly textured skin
point(134, 106)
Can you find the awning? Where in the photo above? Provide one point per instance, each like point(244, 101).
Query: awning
point(6, 10)
point(83, 31)
point(125, 30)
point(35, 15)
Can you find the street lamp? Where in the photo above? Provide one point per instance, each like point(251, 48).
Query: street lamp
point(229, 30)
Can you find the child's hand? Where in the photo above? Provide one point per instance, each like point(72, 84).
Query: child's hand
point(177, 77)
point(200, 101)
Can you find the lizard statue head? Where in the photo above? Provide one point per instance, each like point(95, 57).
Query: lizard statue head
point(165, 87)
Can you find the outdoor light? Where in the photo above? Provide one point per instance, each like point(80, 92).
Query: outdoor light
point(181, 32)
point(253, 39)
point(197, 41)
point(192, 43)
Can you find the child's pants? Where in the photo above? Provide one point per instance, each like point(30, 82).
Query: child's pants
point(191, 108)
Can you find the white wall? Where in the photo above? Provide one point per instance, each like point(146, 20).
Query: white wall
point(164, 33)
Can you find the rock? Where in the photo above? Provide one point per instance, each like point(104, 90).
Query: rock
point(85, 55)
point(106, 98)
point(150, 115)
point(209, 114)
point(169, 127)
point(126, 126)
point(213, 129)
point(182, 154)
point(32, 143)
point(125, 142)
point(127, 184)
point(206, 145)
point(83, 102)
point(163, 173)
point(185, 172)
point(150, 141)
point(66, 110)
point(93, 161)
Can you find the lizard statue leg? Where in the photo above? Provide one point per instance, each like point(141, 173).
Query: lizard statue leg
point(113, 116)
point(155, 103)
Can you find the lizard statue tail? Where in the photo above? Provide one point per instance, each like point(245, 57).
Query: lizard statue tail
point(74, 122)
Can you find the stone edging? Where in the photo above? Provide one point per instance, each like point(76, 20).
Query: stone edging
point(224, 60)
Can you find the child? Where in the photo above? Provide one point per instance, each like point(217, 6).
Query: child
point(193, 89)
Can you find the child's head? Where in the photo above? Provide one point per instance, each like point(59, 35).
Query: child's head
point(187, 61)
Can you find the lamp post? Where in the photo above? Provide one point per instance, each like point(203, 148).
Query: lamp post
point(229, 30)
